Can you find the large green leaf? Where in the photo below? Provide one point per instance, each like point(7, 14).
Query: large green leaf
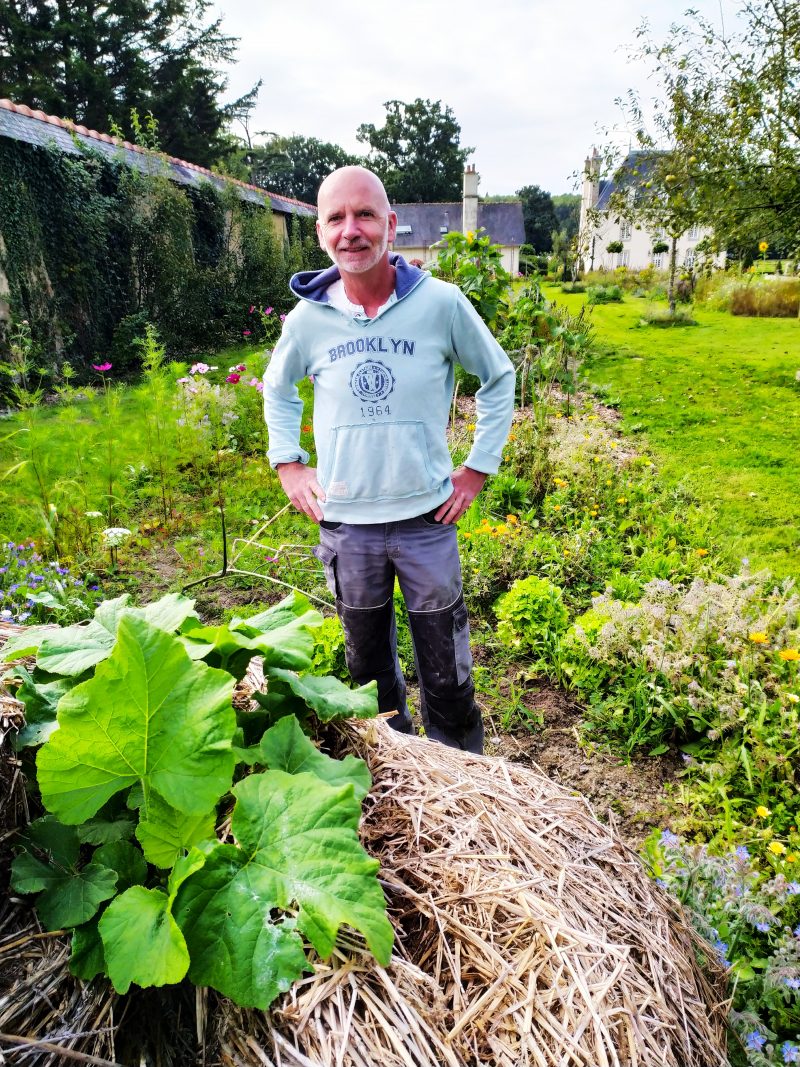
point(164, 832)
point(74, 649)
point(26, 643)
point(126, 860)
point(287, 646)
point(149, 716)
point(141, 940)
point(299, 848)
point(67, 897)
point(285, 747)
point(294, 606)
point(87, 959)
point(41, 701)
point(328, 697)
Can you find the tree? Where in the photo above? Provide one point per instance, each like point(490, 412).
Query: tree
point(417, 151)
point(539, 217)
point(567, 207)
point(295, 166)
point(95, 62)
point(729, 111)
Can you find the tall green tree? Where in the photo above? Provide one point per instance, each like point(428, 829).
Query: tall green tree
point(567, 208)
point(539, 216)
point(417, 152)
point(95, 62)
point(729, 110)
point(295, 166)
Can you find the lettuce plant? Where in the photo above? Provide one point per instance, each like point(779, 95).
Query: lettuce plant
point(139, 746)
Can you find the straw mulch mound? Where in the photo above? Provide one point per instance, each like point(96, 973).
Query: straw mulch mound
point(528, 936)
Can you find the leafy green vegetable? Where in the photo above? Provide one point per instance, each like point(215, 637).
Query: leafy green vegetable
point(329, 698)
point(299, 848)
point(148, 715)
point(41, 700)
point(164, 832)
point(141, 940)
point(286, 748)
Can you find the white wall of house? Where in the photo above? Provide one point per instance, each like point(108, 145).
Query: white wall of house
point(509, 255)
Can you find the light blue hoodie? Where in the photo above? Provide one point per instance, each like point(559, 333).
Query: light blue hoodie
point(382, 394)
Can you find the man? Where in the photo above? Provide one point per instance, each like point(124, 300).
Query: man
point(380, 339)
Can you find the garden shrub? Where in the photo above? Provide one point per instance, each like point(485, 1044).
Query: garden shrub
point(531, 617)
point(661, 316)
point(604, 294)
point(750, 294)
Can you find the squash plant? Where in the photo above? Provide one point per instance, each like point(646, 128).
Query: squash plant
point(140, 751)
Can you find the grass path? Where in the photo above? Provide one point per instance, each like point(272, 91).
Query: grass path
point(720, 405)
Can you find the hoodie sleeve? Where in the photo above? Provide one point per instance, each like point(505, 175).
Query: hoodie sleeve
point(283, 408)
point(478, 352)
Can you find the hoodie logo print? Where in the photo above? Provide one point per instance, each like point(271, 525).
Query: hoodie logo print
point(372, 380)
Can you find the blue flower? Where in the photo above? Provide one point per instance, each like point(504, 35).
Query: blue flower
point(762, 927)
point(790, 1052)
point(668, 839)
point(742, 853)
point(793, 888)
point(796, 931)
point(755, 1041)
point(721, 949)
point(23, 615)
point(792, 983)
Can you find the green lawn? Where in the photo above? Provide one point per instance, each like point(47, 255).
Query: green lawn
point(720, 406)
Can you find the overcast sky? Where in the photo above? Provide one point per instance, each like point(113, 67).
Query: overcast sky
point(529, 81)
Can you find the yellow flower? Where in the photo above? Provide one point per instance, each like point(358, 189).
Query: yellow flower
point(608, 481)
point(776, 847)
point(793, 698)
point(596, 459)
point(556, 507)
point(467, 534)
point(622, 500)
point(701, 552)
point(470, 235)
point(758, 638)
point(762, 812)
point(470, 425)
point(593, 514)
point(566, 552)
point(512, 519)
point(762, 246)
point(791, 655)
point(512, 437)
point(791, 858)
point(501, 529)
point(612, 444)
point(559, 415)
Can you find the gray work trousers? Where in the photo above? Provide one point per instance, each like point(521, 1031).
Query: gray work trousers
point(361, 563)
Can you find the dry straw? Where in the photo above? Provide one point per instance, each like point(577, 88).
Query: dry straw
point(528, 935)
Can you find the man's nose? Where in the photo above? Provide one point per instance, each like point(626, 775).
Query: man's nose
point(351, 229)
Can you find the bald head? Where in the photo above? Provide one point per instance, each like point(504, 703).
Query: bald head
point(350, 181)
point(355, 223)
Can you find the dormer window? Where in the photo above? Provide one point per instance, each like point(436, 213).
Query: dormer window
point(404, 229)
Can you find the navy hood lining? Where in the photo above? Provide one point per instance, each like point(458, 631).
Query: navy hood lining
point(313, 284)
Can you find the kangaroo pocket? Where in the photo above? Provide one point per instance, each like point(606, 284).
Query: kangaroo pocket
point(383, 461)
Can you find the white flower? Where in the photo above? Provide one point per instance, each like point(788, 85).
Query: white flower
point(114, 536)
point(93, 514)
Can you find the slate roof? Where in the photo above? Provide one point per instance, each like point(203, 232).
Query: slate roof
point(635, 167)
point(35, 127)
point(502, 222)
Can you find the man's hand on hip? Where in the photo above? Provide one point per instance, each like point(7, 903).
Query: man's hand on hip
point(467, 483)
point(301, 486)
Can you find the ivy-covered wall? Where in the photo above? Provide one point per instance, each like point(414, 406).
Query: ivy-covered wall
point(91, 250)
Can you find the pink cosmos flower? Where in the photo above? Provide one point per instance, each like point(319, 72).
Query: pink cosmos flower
point(241, 367)
point(267, 311)
point(245, 333)
point(283, 318)
point(199, 368)
point(101, 367)
point(233, 377)
point(182, 381)
point(254, 382)
point(252, 308)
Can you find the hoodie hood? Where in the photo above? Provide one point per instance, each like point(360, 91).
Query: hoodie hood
point(313, 284)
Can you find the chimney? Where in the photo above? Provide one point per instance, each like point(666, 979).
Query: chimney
point(469, 217)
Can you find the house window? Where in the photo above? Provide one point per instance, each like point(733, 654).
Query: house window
point(658, 260)
point(403, 229)
point(624, 258)
point(625, 231)
point(688, 260)
point(694, 233)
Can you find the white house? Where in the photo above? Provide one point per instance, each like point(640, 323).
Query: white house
point(600, 230)
point(421, 226)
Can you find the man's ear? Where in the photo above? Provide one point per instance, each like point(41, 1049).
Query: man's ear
point(320, 238)
point(392, 225)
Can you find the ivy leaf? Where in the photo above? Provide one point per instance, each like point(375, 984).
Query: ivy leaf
point(141, 941)
point(330, 698)
point(87, 958)
point(299, 848)
point(286, 748)
point(164, 832)
point(148, 716)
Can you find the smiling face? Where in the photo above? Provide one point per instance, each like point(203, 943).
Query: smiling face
point(355, 223)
